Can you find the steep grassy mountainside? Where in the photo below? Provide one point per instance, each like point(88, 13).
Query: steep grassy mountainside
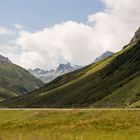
point(15, 81)
point(113, 82)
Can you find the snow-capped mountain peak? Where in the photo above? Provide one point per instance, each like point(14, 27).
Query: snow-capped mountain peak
point(48, 76)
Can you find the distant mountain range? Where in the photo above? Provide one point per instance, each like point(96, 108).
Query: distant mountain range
point(103, 56)
point(48, 76)
point(14, 80)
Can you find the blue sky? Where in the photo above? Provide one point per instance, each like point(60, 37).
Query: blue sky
point(36, 14)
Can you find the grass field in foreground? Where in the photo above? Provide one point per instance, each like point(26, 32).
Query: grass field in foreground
point(70, 125)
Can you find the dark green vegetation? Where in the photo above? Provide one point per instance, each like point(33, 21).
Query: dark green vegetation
point(70, 125)
point(15, 81)
point(113, 82)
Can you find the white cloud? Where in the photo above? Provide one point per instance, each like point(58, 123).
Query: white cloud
point(116, 25)
point(18, 26)
point(68, 41)
point(4, 31)
point(80, 43)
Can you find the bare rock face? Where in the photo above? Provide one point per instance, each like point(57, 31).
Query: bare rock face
point(4, 59)
point(136, 37)
point(104, 55)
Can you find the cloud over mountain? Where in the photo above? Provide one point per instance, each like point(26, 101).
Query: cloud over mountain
point(79, 43)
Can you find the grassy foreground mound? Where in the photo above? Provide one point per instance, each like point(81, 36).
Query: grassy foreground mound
point(70, 125)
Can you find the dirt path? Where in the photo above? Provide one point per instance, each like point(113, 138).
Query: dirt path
point(65, 109)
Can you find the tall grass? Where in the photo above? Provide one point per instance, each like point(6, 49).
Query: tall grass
point(70, 125)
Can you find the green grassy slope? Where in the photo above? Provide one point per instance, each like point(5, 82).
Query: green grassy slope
point(124, 96)
point(136, 104)
point(92, 85)
point(70, 125)
point(15, 80)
